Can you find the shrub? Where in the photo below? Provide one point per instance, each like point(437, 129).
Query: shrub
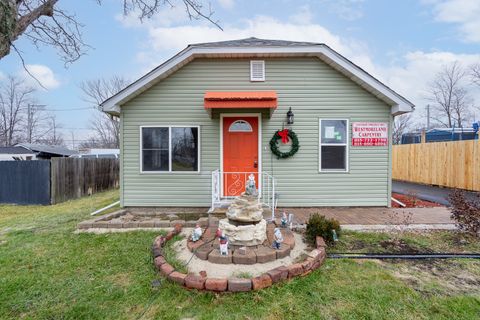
point(465, 212)
point(318, 225)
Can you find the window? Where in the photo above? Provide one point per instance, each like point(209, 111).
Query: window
point(257, 70)
point(170, 149)
point(240, 126)
point(333, 145)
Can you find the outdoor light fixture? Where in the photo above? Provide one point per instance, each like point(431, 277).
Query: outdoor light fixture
point(290, 116)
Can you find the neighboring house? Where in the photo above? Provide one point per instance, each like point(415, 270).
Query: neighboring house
point(442, 134)
point(43, 151)
point(98, 153)
point(195, 127)
point(16, 153)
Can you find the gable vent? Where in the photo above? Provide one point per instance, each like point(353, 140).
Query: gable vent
point(257, 70)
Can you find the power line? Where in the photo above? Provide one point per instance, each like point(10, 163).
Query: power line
point(71, 109)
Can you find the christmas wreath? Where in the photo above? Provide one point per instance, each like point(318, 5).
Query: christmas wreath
point(284, 135)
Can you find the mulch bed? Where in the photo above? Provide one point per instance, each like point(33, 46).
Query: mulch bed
point(412, 202)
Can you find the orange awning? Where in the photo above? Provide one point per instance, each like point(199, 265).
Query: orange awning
point(240, 100)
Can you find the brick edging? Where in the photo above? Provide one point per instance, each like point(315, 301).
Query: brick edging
point(200, 282)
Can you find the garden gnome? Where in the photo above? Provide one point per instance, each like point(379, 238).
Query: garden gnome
point(197, 233)
point(223, 244)
point(284, 220)
point(250, 189)
point(278, 238)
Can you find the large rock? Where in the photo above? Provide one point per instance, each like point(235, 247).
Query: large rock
point(245, 209)
point(245, 235)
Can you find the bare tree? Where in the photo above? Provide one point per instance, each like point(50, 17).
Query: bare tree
point(43, 22)
point(450, 99)
point(400, 126)
point(14, 100)
point(475, 73)
point(53, 136)
point(106, 127)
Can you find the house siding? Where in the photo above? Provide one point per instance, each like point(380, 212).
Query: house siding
point(313, 89)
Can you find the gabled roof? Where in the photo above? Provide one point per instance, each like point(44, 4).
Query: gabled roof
point(15, 150)
point(58, 150)
point(254, 42)
point(260, 48)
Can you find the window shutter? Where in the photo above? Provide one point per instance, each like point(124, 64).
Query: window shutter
point(257, 70)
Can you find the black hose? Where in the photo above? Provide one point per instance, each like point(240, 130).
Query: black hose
point(410, 256)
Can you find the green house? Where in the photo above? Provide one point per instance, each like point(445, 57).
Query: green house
point(195, 129)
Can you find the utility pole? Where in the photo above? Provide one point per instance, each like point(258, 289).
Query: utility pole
point(30, 112)
point(428, 116)
point(73, 139)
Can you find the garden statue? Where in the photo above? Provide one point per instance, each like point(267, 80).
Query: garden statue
point(284, 220)
point(278, 238)
point(250, 189)
point(196, 233)
point(223, 243)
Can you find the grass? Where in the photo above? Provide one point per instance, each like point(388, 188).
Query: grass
point(49, 272)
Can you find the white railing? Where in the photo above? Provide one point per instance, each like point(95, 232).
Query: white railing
point(227, 185)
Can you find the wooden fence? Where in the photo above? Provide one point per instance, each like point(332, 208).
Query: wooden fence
point(57, 180)
point(454, 164)
point(73, 178)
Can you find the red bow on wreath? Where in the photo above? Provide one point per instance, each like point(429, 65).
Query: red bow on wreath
point(284, 135)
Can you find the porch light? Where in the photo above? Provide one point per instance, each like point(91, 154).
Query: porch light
point(290, 116)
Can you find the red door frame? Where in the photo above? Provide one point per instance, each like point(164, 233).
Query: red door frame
point(259, 152)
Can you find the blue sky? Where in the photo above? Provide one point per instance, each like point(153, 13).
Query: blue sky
point(403, 43)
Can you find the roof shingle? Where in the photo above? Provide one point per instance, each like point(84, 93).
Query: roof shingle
point(254, 42)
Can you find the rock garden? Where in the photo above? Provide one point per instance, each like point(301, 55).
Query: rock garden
point(237, 250)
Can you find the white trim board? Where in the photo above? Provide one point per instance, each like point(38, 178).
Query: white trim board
point(230, 115)
point(398, 103)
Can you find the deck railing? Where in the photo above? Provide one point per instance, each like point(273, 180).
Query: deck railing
point(227, 185)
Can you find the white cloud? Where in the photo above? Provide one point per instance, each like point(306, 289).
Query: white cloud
point(464, 13)
point(167, 40)
point(227, 4)
point(418, 69)
point(346, 9)
point(303, 16)
point(43, 74)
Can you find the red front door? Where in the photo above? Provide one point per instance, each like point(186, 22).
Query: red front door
point(240, 153)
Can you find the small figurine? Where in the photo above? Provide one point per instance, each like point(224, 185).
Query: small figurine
point(278, 238)
point(196, 233)
point(284, 220)
point(335, 236)
point(223, 244)
point(250, 189)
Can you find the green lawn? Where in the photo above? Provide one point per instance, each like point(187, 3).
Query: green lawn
point(49, 272)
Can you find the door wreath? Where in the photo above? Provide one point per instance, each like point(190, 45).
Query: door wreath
point(284, 135)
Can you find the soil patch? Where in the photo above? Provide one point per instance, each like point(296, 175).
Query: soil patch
point(401, 246)
point(431, 277)
point(411, 201)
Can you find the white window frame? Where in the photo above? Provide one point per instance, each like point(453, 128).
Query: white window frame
point(252, 79)
point(170, 149)
point(346, 144)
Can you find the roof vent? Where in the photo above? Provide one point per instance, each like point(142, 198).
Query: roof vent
point(257, 70)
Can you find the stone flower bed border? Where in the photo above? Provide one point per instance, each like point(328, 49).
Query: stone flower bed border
point(202, 282)
point(152, 222)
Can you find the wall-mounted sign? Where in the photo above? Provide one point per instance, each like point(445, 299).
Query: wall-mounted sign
point(372, 134)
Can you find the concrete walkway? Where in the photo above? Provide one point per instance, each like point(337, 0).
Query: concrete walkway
point(426, 192)
point(376, 215)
